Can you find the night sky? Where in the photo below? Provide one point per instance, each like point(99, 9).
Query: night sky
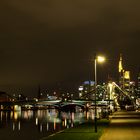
point(51, 43)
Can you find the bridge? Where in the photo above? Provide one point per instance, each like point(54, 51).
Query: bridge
point(110, 98)
point(71, 105)
point(121, 97)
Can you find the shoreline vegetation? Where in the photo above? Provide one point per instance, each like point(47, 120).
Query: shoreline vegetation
point(83, 131)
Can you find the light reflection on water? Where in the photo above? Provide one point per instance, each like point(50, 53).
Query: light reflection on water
point(33, 125)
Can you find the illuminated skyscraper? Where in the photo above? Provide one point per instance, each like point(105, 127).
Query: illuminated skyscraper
point(121, 72)
point(120, 64)
point(127, 81)
point(124, 79)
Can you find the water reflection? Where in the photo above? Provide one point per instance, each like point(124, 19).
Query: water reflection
point(41, 122)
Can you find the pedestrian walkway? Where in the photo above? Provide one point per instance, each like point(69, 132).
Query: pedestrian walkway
point(124, 125)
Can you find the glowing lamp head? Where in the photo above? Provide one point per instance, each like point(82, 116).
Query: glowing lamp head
point(100, 59)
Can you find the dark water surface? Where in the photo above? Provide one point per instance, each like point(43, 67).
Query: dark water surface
point(33, 125)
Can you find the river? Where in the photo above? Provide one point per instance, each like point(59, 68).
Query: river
point(34, 125)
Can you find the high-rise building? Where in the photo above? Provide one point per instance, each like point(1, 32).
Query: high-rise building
point(127, 81)
point(121, 72)
point(85, 90)
point(120, 64)
point(124, 76)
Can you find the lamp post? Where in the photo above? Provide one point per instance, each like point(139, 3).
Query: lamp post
point(99, 59)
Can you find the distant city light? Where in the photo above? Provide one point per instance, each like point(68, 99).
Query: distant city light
point(89, 82)
point(81, 88)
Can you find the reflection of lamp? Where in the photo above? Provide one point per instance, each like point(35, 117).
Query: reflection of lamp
point(99, 59)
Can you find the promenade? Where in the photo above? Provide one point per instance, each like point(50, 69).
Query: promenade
point(124, 125)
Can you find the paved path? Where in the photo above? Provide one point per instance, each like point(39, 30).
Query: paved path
point(124, 126)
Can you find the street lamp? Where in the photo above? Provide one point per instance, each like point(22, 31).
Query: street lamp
point(99, 59)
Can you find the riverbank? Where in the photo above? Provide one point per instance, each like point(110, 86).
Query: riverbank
point(82, 132)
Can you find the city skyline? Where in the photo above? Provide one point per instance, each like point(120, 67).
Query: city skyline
point(52, 43)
